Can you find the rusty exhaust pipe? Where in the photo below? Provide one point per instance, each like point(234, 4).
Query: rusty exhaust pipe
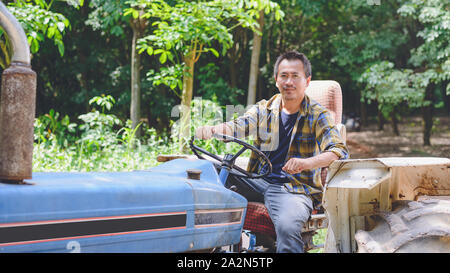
point(17, 105)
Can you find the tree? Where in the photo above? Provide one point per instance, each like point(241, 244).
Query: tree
point(113, 22)
point(139, 25)
point(367, 35)
point(430, 58)
point(307, 26)
point(391, 88)
point(429, 61)
point(260, 8)
point(183, 32)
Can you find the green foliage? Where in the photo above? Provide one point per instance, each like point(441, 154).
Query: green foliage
point(372, 34)
point(170, 76)
point(97, 144)
point(434, 15)
point(49, 128)
point(319, 239)
point(104, 101)
point(389, 86)
point(433, 54)
point(101, 142)
point(189, 28)
point(98, 129)
point(183, 29)
point(39, 22)
point(5, 47)
point(389, 52)
point(211, 85)
point(205, 112)
point(108, 16)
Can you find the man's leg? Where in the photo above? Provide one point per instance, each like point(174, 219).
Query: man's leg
point(289, 212)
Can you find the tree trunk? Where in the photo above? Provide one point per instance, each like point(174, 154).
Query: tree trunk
point(445, 97)
point(254, 64)
point(362, 107)
point(427, 112)
point(395, 122)
point(363, 110)
point(269, 40)
point(233, 73)
point(380, 118)
point(186, 98)
point(235, 53)
point(138, 25)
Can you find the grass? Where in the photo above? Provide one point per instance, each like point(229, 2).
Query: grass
point(319, 239)
point(76, 158)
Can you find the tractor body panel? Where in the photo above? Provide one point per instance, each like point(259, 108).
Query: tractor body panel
point(156, 210)
point(363, 187)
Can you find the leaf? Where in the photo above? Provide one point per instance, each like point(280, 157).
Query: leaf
point(117, 30)
point(214, 52)
point(60, 48)
point(135, 14)
point(34, 46)
point(127, 12)
point(142, 49)
point(51, 32)
point(60, 26)
point(163, 57)
point(150, 51)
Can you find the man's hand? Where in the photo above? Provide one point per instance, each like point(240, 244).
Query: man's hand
point(206, 132)
point(296, 165)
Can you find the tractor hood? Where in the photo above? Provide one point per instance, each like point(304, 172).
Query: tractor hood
point(159, 202)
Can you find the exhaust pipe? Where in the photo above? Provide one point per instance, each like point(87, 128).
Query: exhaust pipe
point(17, 105)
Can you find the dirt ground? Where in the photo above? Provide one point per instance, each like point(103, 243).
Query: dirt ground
point(370, 143)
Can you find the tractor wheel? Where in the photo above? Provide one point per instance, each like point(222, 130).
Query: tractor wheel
point(412, 226)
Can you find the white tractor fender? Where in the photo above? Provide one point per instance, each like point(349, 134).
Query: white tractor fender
point(357, 188)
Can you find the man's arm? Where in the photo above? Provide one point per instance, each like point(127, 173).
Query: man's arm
point(239, 127)
point(330, 143)
point(296, 165)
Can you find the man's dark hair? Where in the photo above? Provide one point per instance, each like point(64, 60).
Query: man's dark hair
point(293, 55)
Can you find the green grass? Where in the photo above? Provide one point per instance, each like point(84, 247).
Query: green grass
point(319, 239)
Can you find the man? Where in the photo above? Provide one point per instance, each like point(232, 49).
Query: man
point(299, 137)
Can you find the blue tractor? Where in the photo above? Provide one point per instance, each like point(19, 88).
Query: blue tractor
point(178, 206)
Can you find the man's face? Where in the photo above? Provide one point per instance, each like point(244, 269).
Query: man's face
point(291, 80)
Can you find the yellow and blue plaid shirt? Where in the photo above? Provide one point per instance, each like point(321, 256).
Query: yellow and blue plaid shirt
point(314, 132)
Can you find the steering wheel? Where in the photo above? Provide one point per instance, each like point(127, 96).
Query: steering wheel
point(229, 160)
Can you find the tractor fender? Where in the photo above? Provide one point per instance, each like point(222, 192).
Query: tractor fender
point(358, 188)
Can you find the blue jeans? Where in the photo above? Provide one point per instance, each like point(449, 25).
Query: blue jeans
point(288, 211)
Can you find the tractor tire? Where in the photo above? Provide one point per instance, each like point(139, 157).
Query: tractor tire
point(412, 227)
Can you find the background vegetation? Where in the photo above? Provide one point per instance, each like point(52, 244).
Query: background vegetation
point(110, 72)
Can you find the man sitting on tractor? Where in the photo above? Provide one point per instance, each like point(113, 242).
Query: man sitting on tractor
point(299, 137)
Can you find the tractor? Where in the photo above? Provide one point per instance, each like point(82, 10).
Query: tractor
point(369, 205)
point(185, 205)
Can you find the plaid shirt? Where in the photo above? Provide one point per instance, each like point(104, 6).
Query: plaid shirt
point(314, 132)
